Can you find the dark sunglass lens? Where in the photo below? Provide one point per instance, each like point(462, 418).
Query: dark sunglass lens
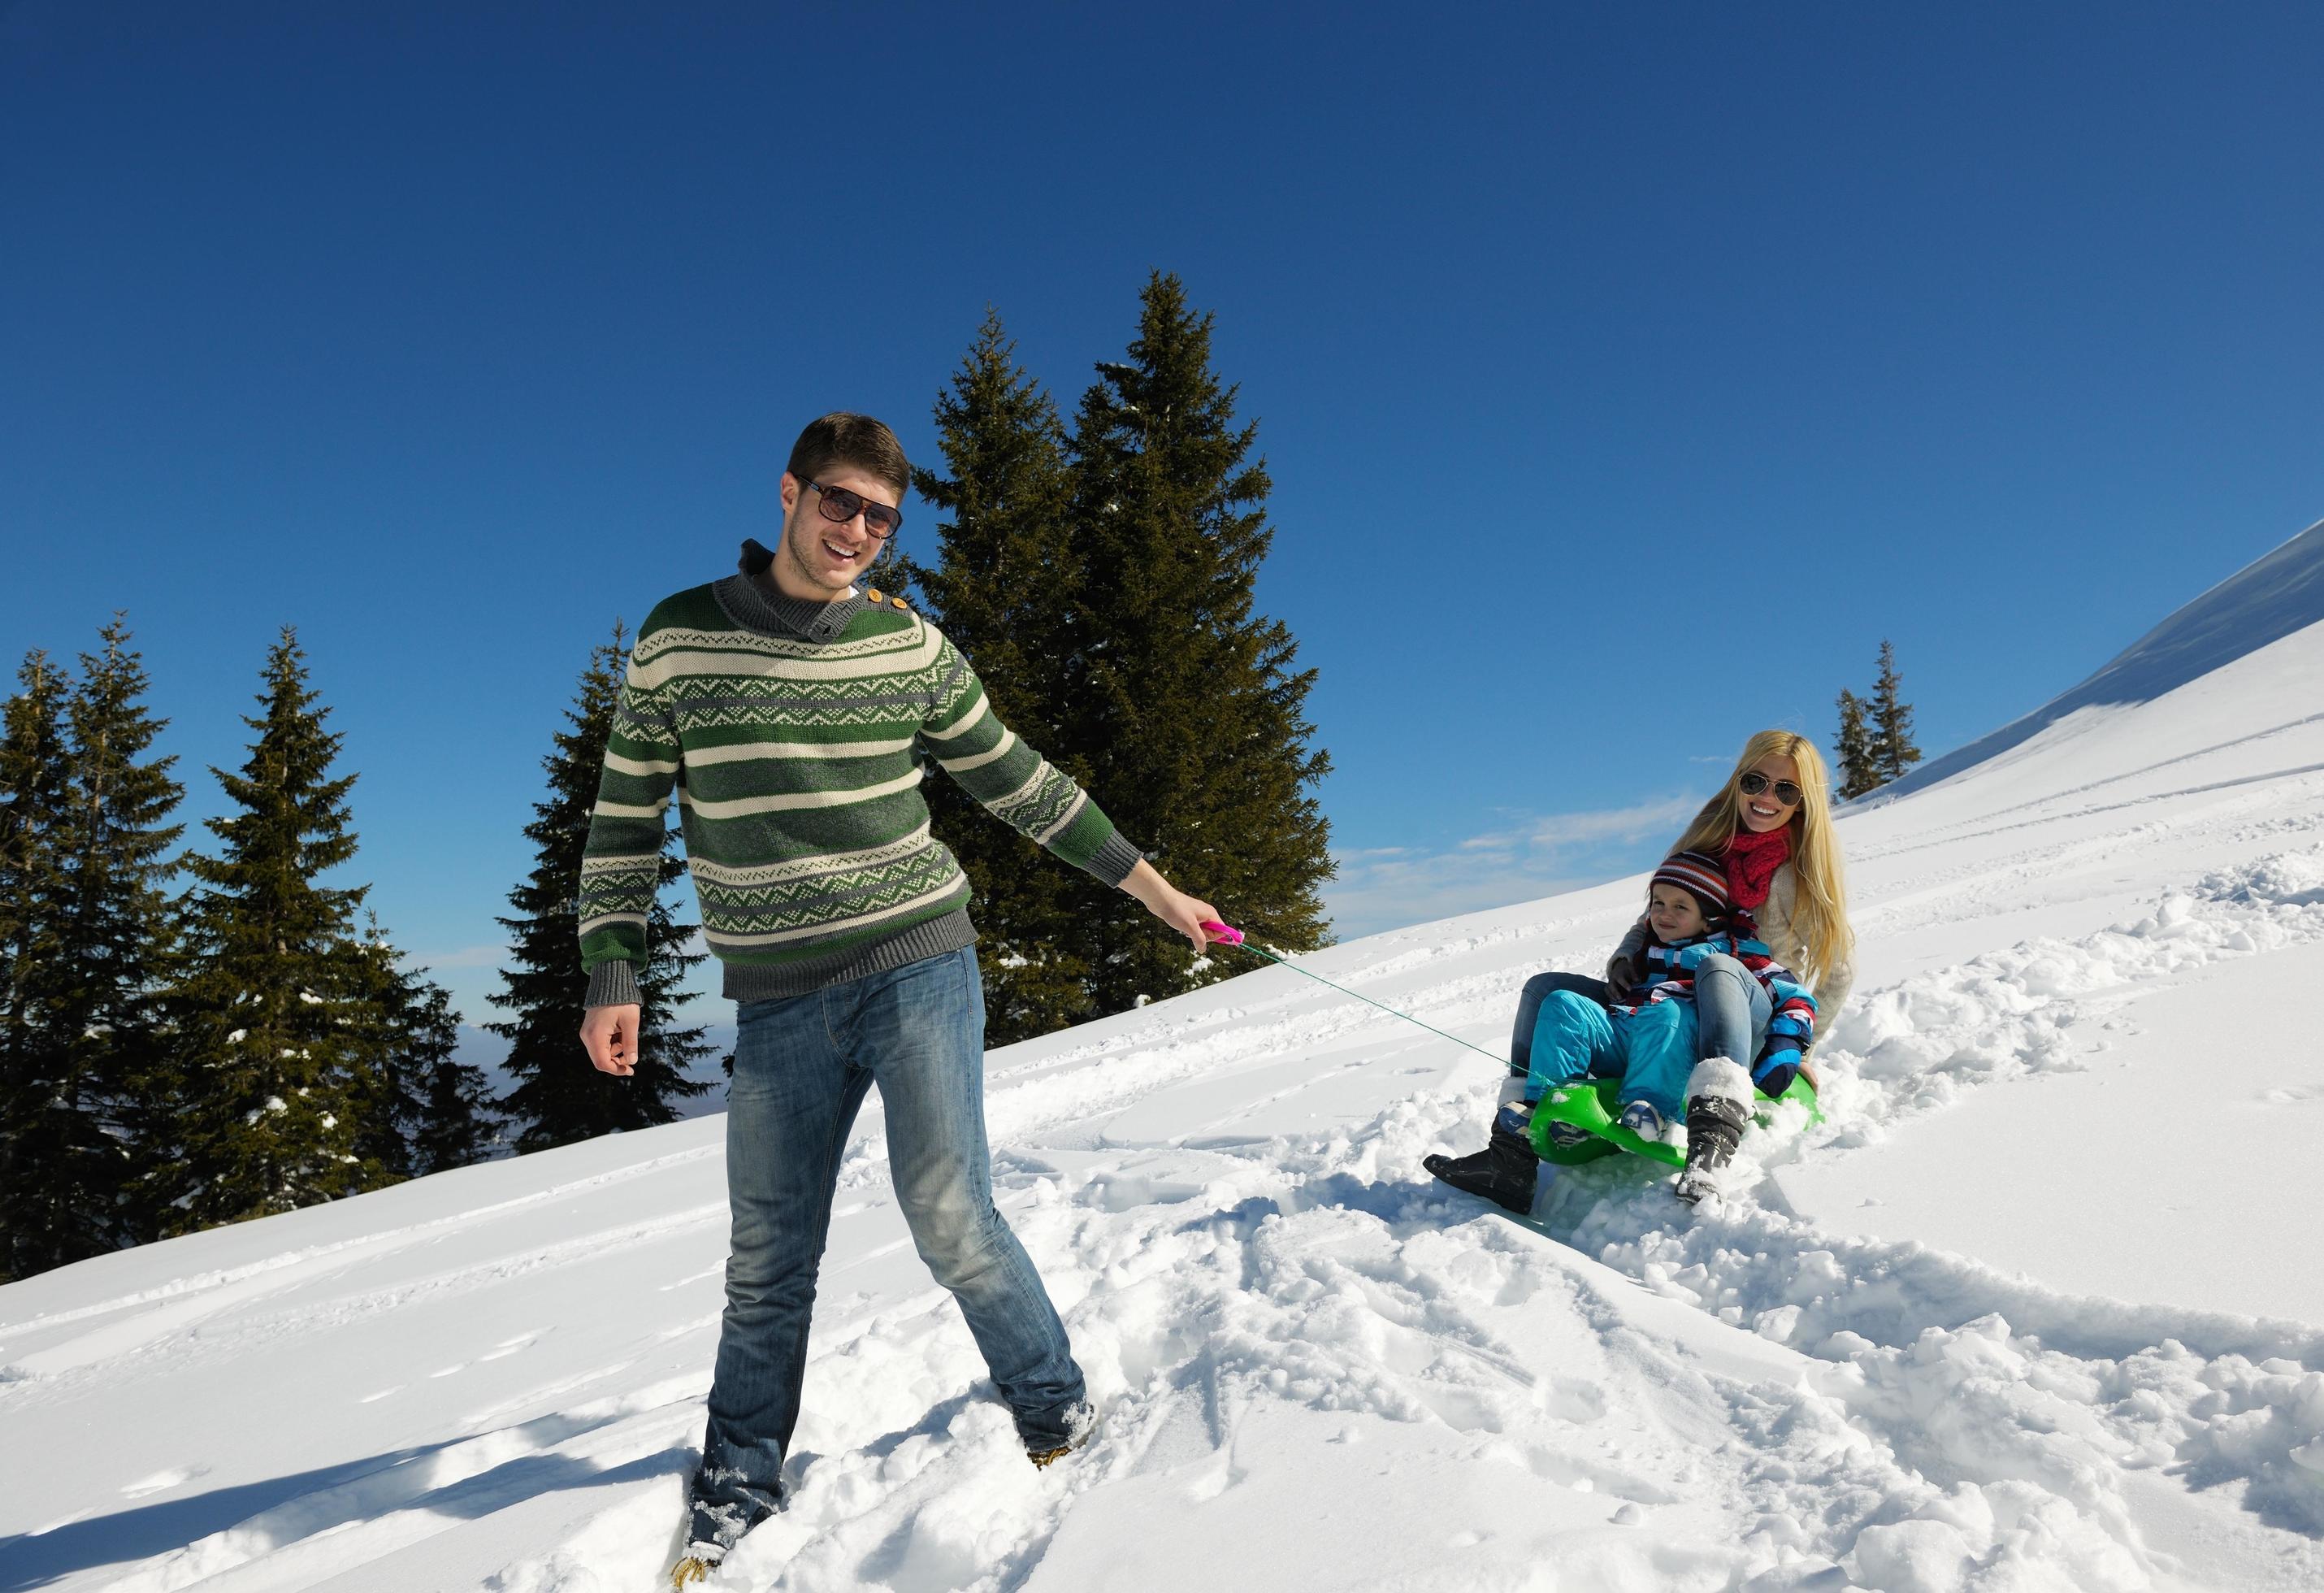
point(880, 520)
point(841, 505)
point(1755, 783)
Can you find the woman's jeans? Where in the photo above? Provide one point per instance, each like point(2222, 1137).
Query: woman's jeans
point(802, 1065)
point(1732, 1010)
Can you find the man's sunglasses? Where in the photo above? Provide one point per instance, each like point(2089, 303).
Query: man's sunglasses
point(1754, 783)
point(840, 505)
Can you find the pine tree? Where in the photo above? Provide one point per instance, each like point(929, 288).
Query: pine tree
point(559, 1097)
point(1001, 591)
point(387, 1091)
point(428, 1111)
point(38, 1125)
point(1183, 705)
point(458, 1123)
point(116, 941)
point(275, 1023)
point(1857, 774)
point(1893, 751)
point(35, 778)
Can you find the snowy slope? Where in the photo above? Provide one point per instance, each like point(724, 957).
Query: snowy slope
point(2272, 597)
point(1949, 1346)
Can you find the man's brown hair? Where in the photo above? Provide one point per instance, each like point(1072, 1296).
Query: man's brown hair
point(858, 441)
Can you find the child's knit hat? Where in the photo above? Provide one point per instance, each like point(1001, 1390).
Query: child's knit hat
point(1702, 877)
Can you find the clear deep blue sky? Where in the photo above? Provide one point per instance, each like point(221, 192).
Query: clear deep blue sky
point(1626, 374)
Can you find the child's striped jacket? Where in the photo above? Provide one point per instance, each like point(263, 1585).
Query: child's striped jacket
point(1666, 973)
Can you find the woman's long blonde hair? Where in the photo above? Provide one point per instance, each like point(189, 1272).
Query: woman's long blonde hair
point(1820, 907)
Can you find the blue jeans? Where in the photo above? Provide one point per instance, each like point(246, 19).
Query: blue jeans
point(802, 1065)
point(1733, 1009)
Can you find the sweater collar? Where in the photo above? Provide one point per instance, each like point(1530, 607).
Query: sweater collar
point(752, 600)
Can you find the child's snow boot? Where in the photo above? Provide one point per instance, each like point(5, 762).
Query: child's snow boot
point(1717, 1106)
point(1504, 1171)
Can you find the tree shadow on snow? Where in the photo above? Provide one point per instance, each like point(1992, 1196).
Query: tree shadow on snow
point(373, 1487)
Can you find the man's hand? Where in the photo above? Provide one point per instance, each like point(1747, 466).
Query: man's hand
point(1172, 907)
point(610, 1035)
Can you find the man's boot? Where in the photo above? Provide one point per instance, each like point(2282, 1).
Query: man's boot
point(1503, 1171)
point(1717, 1106)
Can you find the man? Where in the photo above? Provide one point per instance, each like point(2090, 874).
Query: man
point(788, 708)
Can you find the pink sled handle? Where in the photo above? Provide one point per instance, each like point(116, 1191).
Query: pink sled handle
point(1225, 934)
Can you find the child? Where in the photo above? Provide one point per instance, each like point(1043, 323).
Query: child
point(1647, 1037)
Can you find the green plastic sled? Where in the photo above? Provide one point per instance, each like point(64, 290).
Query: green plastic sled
point(1590, 1105)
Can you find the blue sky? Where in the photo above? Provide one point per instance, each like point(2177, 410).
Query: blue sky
point(1626, 374)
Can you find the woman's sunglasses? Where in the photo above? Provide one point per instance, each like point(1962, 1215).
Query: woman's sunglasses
point(840, 505)
point(1755, 783)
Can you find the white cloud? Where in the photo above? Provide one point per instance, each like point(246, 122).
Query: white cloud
point(1639, 821)
point(466, 957)
point(1533, 855)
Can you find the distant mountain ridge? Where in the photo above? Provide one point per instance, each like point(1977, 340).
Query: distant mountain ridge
point(2268, 599)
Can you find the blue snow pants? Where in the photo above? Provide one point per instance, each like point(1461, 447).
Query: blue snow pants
point(1651, 1052)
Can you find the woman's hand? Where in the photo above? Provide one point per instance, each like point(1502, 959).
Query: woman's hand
point(1172, 905)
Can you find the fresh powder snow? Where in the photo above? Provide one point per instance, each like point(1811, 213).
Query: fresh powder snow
point(2039, 1304)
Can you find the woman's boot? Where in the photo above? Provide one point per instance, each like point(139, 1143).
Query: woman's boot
point(1717, 1106)
point(1503, 1171)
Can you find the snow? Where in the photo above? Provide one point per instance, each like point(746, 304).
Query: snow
point(2036, 1306)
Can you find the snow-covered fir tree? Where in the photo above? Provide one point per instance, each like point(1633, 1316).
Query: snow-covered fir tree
point(559, 1096)
point(1001, 590)
point(256, 1105)
point(1182, 704)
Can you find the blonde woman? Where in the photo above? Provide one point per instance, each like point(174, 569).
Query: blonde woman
point(1770, 828)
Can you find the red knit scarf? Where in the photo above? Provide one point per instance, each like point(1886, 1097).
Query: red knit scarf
point(1752, 860)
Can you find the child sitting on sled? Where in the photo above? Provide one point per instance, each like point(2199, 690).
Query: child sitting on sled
point(1647, 1037)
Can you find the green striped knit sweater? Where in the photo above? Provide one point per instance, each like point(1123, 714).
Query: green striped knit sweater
point(789, 733)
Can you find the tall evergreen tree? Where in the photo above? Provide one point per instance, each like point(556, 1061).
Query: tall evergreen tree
point(35, 782)
point(558, 1097)
point(1001, 590)
point(274, 1021)
point(1893, 750)
point(1184, 706)
point(1857, 772)
point(115, 944)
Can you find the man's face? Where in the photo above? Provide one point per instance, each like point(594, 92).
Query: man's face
point(1673, 914)
point(826, 557)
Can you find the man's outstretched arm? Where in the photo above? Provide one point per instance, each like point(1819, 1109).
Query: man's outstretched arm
point(1018, 786)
